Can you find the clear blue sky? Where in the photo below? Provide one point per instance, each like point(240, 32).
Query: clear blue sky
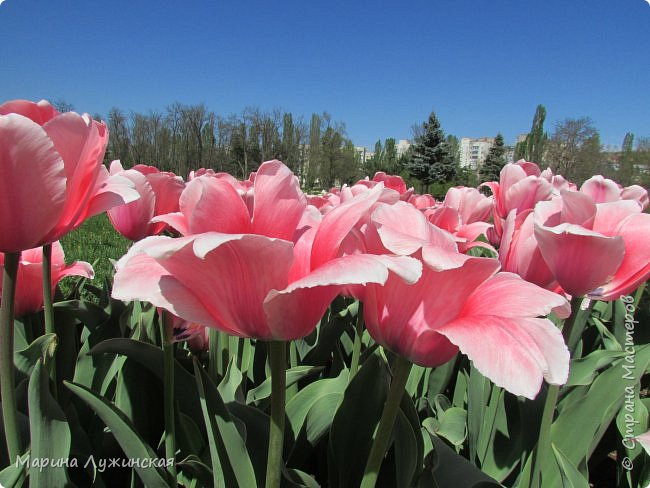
point(379, 67)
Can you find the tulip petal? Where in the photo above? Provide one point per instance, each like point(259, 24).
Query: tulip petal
point(508, 295)
point(295, 311)
point(32, 184)
point(279, 201)
point(213, 205)
point(570, 252)
point(601, 189)
point(635, 268)
point(515, 353)
point(338, 223)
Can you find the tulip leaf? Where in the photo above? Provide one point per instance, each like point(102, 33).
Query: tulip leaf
point(230, 385)
point(584, 370)
point(151, 357)
point(231, 464)
point(354, 423)
point(15, 474)
point(49, 432)
point(297, 479)
point(452, 469)
point(450, 424)
point(42, 348)
point(571, 477)
point(130, 441)
point(197, 469)
point(294, 375)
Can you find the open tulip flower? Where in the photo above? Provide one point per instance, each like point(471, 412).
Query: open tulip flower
point(464, 303)
point(257, 271)
point(573, 233)
point(159, 193)
point(60, 155)
point(520, 187)
point(29, 291)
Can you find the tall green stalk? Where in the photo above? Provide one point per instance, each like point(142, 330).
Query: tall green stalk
point(48, 307)
point(401, 370)
point(356, 347)
point(168, 395)
point(7, 372)
point(278, 358)
point(576, 322)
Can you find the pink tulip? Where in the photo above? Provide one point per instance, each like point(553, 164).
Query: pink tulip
point(520, 187)
point(159, 193)
point(520, 254)
point(598, 249)
point(461, 303)
point(422, 202)
point(603, 190)
point(52, 173)
point(29, 291)
point(267, 271)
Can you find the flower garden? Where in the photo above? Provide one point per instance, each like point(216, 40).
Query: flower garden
point(255, 335)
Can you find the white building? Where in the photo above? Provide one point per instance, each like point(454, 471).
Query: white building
point(363, 153)
point(402, 146)
point(474, 151)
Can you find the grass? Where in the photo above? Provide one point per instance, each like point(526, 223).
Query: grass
point(96, 242)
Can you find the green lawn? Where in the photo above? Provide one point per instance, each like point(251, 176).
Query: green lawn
point(95, 242)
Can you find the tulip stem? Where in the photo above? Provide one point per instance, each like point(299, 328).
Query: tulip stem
point(168, 400)
point(48, 307)
point(7, 372)
point(401, 370)
point(278, 359)
point(543, 452)
point(356, 347)
point(213, 354)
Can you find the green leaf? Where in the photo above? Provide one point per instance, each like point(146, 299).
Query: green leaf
point(42, 348)
point(294, 375)
point(151, 357)
point(571, 477)
point(454, 470)
point(231, 464)
point(130, 441)
point(197, 469)
point(229, 387)
point(355, 422)
point(451, 424)
point(15, 474)
point(49, 433)
point(583, 371)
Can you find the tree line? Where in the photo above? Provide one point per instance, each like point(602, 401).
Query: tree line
point(186, 137)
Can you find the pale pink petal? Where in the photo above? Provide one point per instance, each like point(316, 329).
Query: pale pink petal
point(601, 189)
point(530, 168)
point(295, 311)
point(39, 112)
point(213, 205)
point(571, 251)
point(81, 142)
point(636, 193)
point(446, 218)
point(644, 440)
point(508, 295)
point(176, 221)
point(231, 275)
point(32, 184)
point(609, 216)
point(279, 201)
point(132, 220)
point(403, 229)
point(577, 208)
point(635, 268)
point(515, 353)
point(337, 223)
point(109, 192)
